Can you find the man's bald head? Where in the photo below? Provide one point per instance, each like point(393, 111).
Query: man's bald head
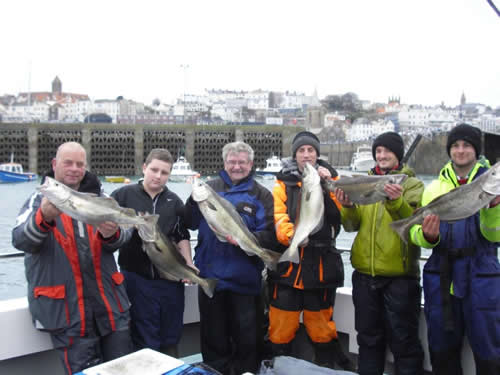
point(69, 164)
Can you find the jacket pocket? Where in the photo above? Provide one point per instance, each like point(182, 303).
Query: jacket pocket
point(119, 291)
point(331, 268)
point(50, 307)
point(485, 289)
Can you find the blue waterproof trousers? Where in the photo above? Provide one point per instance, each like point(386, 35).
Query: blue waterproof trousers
point(156, 313)
point(474, 312)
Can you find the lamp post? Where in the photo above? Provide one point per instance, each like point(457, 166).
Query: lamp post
point(184, 69)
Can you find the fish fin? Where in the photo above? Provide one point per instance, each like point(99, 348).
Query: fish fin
point(272, 260)
point(402, 228)
point(151, 219)
point(211, 206)
point(290, 256)
point(209, 287)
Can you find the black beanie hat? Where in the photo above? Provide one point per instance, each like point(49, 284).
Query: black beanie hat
point(392, 141)
point(305, 138)
point(466, 133)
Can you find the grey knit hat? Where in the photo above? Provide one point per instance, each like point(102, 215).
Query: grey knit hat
point(305, 138)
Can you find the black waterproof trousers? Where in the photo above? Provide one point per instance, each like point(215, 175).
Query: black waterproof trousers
point(229, 327)
point(387, 312)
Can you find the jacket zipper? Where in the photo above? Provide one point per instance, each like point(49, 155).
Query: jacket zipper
point(154, 212)
point(372, 248)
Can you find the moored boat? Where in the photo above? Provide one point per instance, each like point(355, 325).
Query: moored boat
point(13, 172)
point(273, 166)
point(362, 159)
point(117, 179)
point(181, 171)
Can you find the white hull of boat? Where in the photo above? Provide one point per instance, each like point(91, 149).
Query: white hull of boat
point(21, 339)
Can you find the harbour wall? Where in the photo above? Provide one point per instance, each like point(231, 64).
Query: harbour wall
point(121, 149)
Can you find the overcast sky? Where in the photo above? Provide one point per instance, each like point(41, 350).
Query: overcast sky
point(425, 51)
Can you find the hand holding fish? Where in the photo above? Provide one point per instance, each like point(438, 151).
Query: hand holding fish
point(231, 240)
point(393, 191)
point(343, 198)
point(324, 173)
point(430, 228)
point(107, 229)
point(49, 211)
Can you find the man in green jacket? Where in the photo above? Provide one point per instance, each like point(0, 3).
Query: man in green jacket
point(386, 290)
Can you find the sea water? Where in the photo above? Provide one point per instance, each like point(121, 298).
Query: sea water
point(13, 196)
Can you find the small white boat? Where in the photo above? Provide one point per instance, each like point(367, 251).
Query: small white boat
point(362, 159)
point(273, 166)
point(181, 171)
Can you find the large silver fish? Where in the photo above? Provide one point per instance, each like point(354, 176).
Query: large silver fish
point(224, 220)
point(365, 189)
point(457, 204)
point(90, 208)
point(169, 261)
point(311, 212)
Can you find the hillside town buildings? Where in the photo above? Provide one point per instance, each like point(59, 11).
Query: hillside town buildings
point(217, 106)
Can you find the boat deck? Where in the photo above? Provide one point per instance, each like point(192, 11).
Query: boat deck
point(30, 351)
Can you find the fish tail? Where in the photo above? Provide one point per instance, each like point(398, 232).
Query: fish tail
point(209, 287)
point(290, 255)
point(151, 219)
point(271, 259)
point(402, 228)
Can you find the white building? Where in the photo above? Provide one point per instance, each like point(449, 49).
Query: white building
point(331, 118)
point(363, 129)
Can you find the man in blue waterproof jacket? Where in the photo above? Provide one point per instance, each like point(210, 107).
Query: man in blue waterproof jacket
point(230, 320)
point(462, 276)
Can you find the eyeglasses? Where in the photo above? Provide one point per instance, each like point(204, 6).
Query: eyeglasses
point(236, 162)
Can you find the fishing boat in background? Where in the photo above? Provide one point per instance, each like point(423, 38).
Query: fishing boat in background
point(13, 172)
point(117, 179)
point(181, 171)
point(273, 166)
point(362, 159)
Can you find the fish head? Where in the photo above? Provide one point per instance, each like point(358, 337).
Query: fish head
point(491, 184)
point(310, 175)
point(55, 191)
point(200, 190)
point(397, 178)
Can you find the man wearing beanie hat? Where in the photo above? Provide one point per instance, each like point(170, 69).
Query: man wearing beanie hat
point(461, 277)
point(305, 138)
point(310, 285)
point(385, 283)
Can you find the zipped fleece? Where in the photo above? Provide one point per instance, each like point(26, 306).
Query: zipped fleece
point(378, 250)
point(169, 206)
point(71, 271)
